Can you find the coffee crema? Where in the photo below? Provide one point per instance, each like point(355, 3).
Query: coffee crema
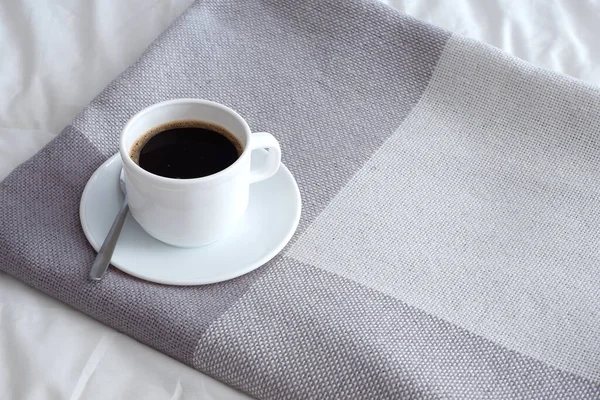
point(186, 149)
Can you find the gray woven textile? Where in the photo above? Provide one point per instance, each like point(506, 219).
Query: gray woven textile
point(448, 246)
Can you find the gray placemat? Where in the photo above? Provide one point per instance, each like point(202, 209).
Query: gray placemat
point(448, 246)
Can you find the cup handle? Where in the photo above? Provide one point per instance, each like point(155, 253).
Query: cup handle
point(264, 140)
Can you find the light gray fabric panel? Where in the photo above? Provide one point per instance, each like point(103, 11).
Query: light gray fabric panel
point(483, 209)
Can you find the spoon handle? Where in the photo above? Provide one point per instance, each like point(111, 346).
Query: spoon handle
point(108, 247)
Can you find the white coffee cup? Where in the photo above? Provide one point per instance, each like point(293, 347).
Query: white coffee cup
point(193, 212)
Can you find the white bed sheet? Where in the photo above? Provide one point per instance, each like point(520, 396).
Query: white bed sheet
point(55, 56)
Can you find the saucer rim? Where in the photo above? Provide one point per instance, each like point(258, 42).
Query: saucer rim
point(178, 282)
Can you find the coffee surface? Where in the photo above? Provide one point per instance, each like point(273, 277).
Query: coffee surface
point(186, 150)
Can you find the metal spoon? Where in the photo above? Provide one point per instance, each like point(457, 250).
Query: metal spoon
point(108, 247)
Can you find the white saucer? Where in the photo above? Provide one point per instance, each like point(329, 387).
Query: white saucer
point(268, 225)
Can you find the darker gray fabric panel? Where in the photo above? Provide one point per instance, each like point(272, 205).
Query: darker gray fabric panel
point(42, 243)
point(303, 333)
point(331, 80)
point(330, 90)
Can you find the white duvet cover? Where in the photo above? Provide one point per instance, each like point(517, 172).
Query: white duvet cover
point(55, 56)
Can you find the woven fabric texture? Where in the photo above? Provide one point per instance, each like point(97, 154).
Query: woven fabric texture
point(448, 242)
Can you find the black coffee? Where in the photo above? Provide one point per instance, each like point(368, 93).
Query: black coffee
point(186, 150)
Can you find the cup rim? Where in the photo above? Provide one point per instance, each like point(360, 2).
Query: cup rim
point(128, 162)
